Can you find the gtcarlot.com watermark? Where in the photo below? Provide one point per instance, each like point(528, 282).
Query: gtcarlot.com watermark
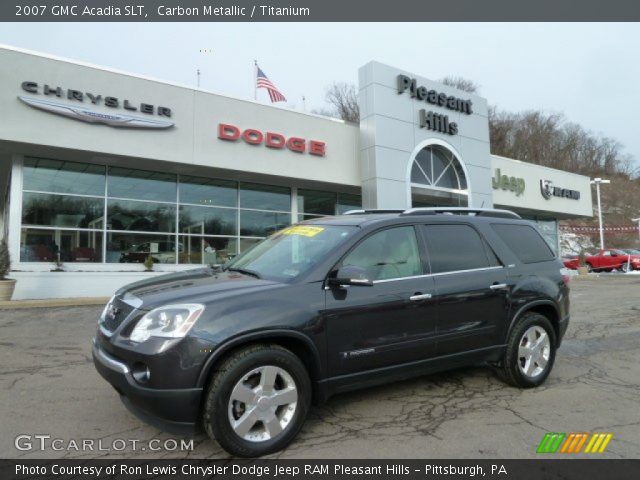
point(43, 442)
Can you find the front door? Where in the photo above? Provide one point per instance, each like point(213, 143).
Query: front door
point(389, 323)
point(471, 288)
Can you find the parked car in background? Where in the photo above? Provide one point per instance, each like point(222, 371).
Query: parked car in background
point(612, 259)
point(571, 261)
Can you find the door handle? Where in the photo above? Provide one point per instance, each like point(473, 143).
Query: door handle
point(420, 296)
point(498, 286)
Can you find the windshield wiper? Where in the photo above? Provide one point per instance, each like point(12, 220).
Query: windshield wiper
point(245, 271)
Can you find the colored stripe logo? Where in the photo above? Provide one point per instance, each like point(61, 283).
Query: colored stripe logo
point(574, 442)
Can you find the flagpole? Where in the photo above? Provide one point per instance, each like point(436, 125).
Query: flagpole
point(255, 80)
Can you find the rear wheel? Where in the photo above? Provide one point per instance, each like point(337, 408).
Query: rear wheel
point(257, 401)
point(530, 353)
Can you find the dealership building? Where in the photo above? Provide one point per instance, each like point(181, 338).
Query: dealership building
point(100, 169)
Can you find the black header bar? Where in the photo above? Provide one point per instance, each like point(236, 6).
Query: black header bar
point(318, 11)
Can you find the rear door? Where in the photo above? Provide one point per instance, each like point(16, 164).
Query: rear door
point(471, 288)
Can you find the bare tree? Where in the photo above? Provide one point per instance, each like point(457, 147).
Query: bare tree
point(343, 99)
point(461, 84)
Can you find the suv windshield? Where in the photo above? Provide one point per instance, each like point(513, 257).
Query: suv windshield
point(291, 252)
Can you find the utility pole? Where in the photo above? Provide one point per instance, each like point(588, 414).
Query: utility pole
point(597, 182)
point(637, 220)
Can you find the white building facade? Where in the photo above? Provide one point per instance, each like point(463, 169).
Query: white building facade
point(100, 169)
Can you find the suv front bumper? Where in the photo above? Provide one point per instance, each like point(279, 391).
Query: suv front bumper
point(173, 411)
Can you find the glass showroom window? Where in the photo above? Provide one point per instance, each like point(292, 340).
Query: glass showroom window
point(348, 201)
point(208, 225)
point(141, 216)
point(264, 210)
point(317, 203)
point(62, 211)
point(78, 212)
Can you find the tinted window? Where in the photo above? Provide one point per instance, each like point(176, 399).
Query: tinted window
point(525, 242)
point(216, 221)
point(64, 177)
point(316, 201)
point(141, 184)
point(265, 197)
point(348, 202)
point(455, 247)
point(391, 253)
point(141, 216)
point(208, 191)
point(62, 210)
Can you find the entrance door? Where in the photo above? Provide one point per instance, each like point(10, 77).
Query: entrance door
point(389, 323)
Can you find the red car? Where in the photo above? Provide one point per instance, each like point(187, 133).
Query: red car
point(571, 261)
point(612, 259)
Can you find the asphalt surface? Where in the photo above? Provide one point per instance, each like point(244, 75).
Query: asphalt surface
point(49, 386)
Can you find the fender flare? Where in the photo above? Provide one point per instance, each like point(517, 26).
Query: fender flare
point(525, 308)
point(261, 336)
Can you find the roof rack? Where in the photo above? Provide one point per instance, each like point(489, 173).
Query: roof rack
point(372, 211)
point(479, 212)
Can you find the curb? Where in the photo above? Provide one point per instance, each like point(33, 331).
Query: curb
point(53, 302)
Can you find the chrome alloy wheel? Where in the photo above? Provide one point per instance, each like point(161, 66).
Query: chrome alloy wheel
point(534, 351)
point(262, 403)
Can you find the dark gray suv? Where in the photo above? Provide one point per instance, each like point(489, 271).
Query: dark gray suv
point(331, 305)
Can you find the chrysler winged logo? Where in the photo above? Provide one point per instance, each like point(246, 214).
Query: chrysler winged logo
point(91, 116)
point(546, 188)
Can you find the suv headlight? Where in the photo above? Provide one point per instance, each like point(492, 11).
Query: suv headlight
point(169, 321)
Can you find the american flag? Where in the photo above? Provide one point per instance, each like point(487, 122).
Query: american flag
point(263, 82)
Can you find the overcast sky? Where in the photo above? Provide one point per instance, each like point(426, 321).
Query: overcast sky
point(589, 72)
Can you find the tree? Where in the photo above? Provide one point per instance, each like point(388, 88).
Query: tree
point(343, 99)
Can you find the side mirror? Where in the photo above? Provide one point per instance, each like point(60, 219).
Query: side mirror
point(351, 275)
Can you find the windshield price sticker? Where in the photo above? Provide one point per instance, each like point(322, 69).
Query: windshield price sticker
point(302, 230)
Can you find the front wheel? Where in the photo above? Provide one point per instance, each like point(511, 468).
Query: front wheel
point(530, 353)
point(625, 267)
point(257, 401)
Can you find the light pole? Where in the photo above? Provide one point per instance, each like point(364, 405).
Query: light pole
point(597, 182)
point(637, 220)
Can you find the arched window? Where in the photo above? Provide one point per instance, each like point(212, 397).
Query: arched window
point(438, 178)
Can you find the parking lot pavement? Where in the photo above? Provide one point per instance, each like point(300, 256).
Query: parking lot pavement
point(49, 386)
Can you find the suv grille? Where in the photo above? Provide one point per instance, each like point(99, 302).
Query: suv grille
point(115, 313)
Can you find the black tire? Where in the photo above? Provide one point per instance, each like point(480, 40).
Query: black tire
point(216, 420)
point(510, 370)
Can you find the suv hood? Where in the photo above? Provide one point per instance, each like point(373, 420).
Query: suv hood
point(197, 285)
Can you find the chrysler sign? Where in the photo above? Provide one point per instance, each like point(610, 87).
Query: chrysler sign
point(79, 111)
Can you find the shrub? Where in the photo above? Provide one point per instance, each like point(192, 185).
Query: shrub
point(148, 263)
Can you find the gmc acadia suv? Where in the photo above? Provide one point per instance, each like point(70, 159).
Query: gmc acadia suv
point(330, 305)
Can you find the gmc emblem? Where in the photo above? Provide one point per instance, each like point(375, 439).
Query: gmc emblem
point(252, 136)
